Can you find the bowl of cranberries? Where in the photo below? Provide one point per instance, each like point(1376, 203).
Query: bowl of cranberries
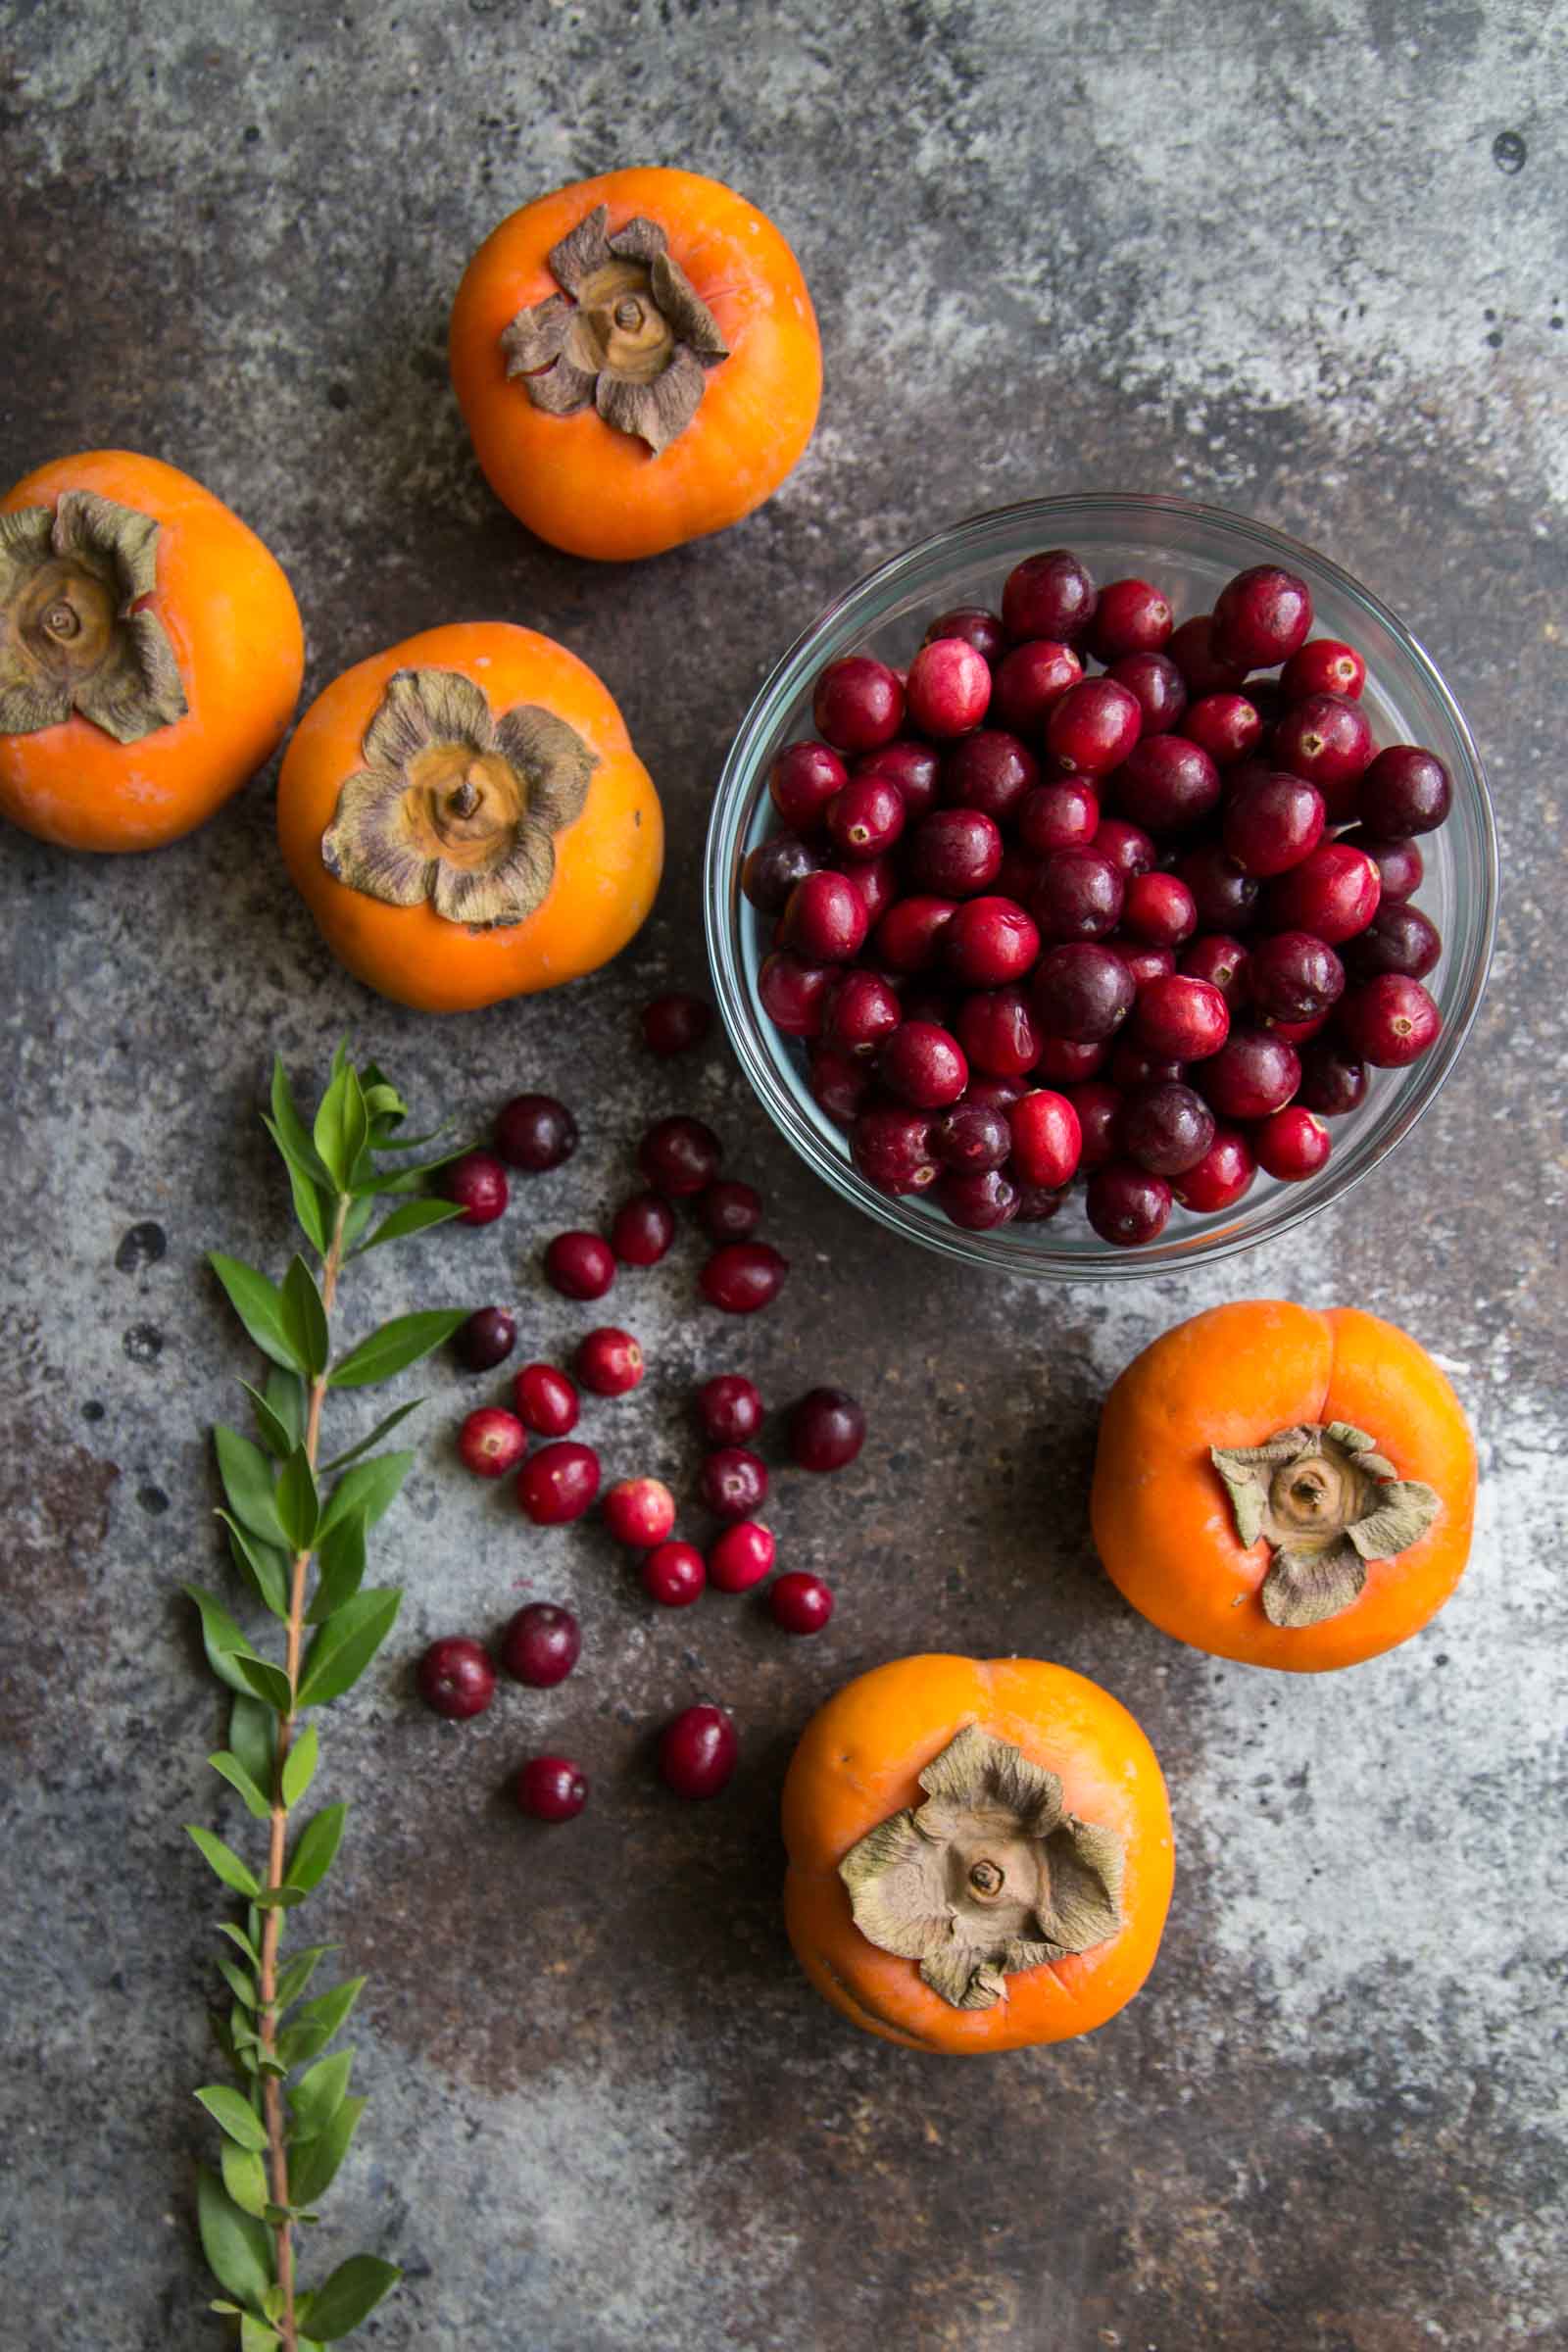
point(1103, 886)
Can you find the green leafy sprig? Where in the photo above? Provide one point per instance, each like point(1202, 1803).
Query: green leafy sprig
point(298, 1527)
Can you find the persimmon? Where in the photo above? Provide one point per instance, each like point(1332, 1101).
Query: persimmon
point(466, 818)
point(151, 653)
point(1289, 1487)
point(637, 360)
point(980, 1853)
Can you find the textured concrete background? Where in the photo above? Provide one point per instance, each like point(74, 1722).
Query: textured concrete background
point(1305, 260)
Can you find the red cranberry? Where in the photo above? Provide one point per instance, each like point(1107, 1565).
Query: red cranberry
point(799, 1603)
point(1144, 963)
point(1165, 1129)
point(1227, 726)
point(993, 1094)
point(1398, 862)
point(1333, 893)
point(1130, 1067)
point(891, 1149)
point(1333, 1081)
point(457, 1678)
point(1082, 992)
point(546, 1401)
point(1295, 977)
point(673, 1574)
point(744, 1276)
point(642, 1230)
point(1032, 681)
point(839, 1082)
point(875, 882)
point(558, 1483)
point(1291, 1143)
point(541, 1644)
point(729, 1409)
point(734, 1482)
point(975, 626)
point(1133, 616)
point(1078, 895)
point(551, 1788)
point(1065, 1063)
point(486, 1340)
point(1390, 1021)
point(971, 1137)
point(1159, 908)
point(1192, 649)
point(1323, 666)
point(1224, 893)
point(1155, 684)
point(1098, 1108)
point(740, 1558)
point(1168, 784)
point(1181, 1019)
point(859, 704)
point(673, 1024)
point(772, 869)
point(825, 920)
point(1404, 791)
point(492, 1442)
point(908, 936)
point(536, 1133)
point(1126, 1205)
point(639, 1512)
point(949, 687)
point(793, 993)
point(989, 942)
point(1094, 727)
point(954, 852)
point(1220, 1178)
point(1252, 1074)
point(827, 1430)
point(1398, 939)
point(1295, 1033)
point(1327, 738)
point(729, 1210)
point(1128, 846)
point(1047, 1139)
point(697, 1751)
point(610, 1363)
point(1272, 820)
point(1059, 816)
point(998, 1033)
point(923, 1066)
point(1049, 595)
point(803, 783)
point(1221, 960)
point(991, 771)
point(1261, 617)
point(979, 1199)
point(915, 767)
point(479, 1182)
point(867, 816)
point(579, 1265)
point(679, 1156)
point(1037, 1205)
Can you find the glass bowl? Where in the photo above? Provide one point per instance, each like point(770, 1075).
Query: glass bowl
point(1191, 551)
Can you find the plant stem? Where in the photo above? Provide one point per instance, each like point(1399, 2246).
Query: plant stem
point(272, 1921)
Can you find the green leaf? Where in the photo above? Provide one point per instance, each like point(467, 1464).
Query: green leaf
point(346, 1644)
point(259, 1306)
point(316, 2023)
point(316, 1847)
point(305, 1314)
point(286, 1394)
point(382, 1102)
point(370, 1487)
point(416, 1143)
point(340, 1562)
point(395, 1346)
point(242, 1987)
point(414, 1216)
point(274, 1432)
point(342, 1127)
point(224, 1859)
point(310, 1203)
point(293, 1978)
point(245, 2178)
point(266, 1681)
point(238, 1938)
point(250, 1736)
point(247, 1477)
point(355, 1223)
point(350, 2295)
point(382, 1429)
point(257, 2336)
point(230, 1769)
point(237, 2247)
point(412, 1180)
point(291, 1127)
point(317, 2096)
point(263, 1563)
point(299, 1766)
point(222, 1638)
point(234, 2114)
point(281, 1898)
point(313, 2167)
point(297, 1506)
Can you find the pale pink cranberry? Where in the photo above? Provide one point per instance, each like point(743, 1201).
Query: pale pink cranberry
point(949, 688)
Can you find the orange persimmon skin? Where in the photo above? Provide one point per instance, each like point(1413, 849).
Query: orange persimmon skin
point(575, 480)
point(235, 629)
point(859, 1761)
point(608, 861)
point(1234, 1376)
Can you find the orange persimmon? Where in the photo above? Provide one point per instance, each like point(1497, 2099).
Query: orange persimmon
point(466, 819)
point(1027, 1901)
point(151, 653)
point(1289, 1488)
point(637, 360)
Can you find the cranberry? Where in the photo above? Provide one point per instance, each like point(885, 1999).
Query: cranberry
point(1047, 1139)
point(1144, 962)
point(1333, 1081)
point(1328, 740)
point(639, 1511)
point(799, 1603)
point(536, 1133)
point(915, 767)
point(975, 626)
point(1333, 893)
point(610, 1363)
point(1065, 1063)
point(803, 783)
point(744, 1276)
point(1404, 791)
point(1223, 961)
point(1220, 1178)
point(1061, 815)
point(793, 993)
point(673, 1575)
point(954, 852)
point(679, 1156)
point(772, 869)
point(1078, 895)
point(729, 1409)
point(546, 1401)
point(1272, 820)
point(1291, 1143)
point(642, 1230)
point(1098, 1108)
point(1226, 726)
point(558, 1483)
point(541, 1644)
point(923, 1066)
point(859, 704)
point(1390, 1021)
point(1192, 649)
point(1323, 666)
point(1133, 616)
point(1295, 1033)
point(1165, 1129)
point(734, 1482)
point(908, 936)
point(949, 687)
point(825, 920)
point(1048, 595)
point(486, 1340)
point(729, 1210)
point(1130, 1067)
point(1261, 617)
point(827, 1430)
point(891, 1149)
point(867, 816)
point(991, 771)
point(1399, 863)
point(971, 1137)
point(978, 1199)
point(998, 1034)
point(1224, 893)
point(1252, 1074)
point(1398, 939)
point(1159, 908)
point(1082, 992)
point(492, 1442)
point(551, 1788)
point(989, 942)
point(1032, 681)
point(1036, 1205)
point(1181, 1019)
point(839, 1082)
point(1168, 784)
point(740, 1558)
point(1127, 1205)
point(875, 882)
point(1156, 685)
point(1094, 727)
point(1128, 846)
point(479, 1182)
point(697, 1751)
point(457, 1678)
point(673, 1024)
point(1295, 977)
point(993, 1094)
point(579, 1265)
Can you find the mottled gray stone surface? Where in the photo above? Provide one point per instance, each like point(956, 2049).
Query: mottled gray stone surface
point(1276, 257)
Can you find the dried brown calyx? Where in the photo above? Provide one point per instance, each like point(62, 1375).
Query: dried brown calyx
point(1328, 1502)
point(456, 807)
point(74, 631)
point(990, 1876)
point(626, 335)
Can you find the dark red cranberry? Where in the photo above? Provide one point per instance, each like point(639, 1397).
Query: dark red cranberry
point(1017, 873)
point(826, 1429)
point(1059, 816)
point(998, 1033)
point(491, 1442)
point(1032, 681)
point(1049, 595)
point(479, 1182)
point(1390, 1021)
point(924, 1066)
point(949, 687)
point(975, 626)
point(1221, 960)
point(676, 1023)
point(989, 942)
point(1261, 617)
point(1077, 895)
point(1291, 1143)
point(1081, 991)
point(1156, 685)
point(551, 1788)
point(875, 883)
point(909, 935)
point(1159, 908)
point(673, 1574)
point(1295, 1033)
point(1130, 1067)
point(744, 1276)
point(639, 1512)
point(799, 1603)
point(793, 993)
point(541, 1644)
point(1220, 1178)
point(1398, 939)
point(891, 1149)
point(1226, 725)
point(609, 1361)
point(1167, 785)
point(1098, 1108)
point(1271, 821)
point(1404, 791)
point(803, 784)
point(558, 1483)
point(867, 816)
point(979, 1199)
point(1133, 616)
point(1224, 893)
point(991, 771)
point(729, 1210)
point(1327, 738)
point(1165, 1129)
point(839, 1081)
point(971, 1137)
point(1128, 846)
point(1066, 1063)
point(1126, 1205)
point(486, 1340)
point(536, 1133)
point(1333, 1081)
point(1252, 1074)
point(1181, 1019)
point(697, 1751)
point(859, 704)
point(1295, 977)
point(1191, 650)
point(457, 1678)
point(1323, 666)
point(1037, 1205)
point(954, 852)
point(579, 1265)
point(993, 1094)
point(1399, 863)
point(1144, 962)
point(641, 1229)
point(772, 869)
point(679, 1156)
point(740, 1556)
point(1094, 727)
point(729, 1409)
point(734, 1482)
point(915, 767)
point(825, 920)
point(546, 1401)
point(1333, 893)
point(1047, 1139)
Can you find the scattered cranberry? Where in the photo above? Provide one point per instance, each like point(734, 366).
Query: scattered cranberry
point(826, 1429)
point(729, 1409)
point(1192, 649)
point(479, 1182)
point(1049, 595)
point(744, 1276)
point(1261, 617)
point(949, 687)
point(1399, 863)
point(535, 1133)
point(697, 1751)
point(673, 1575)
point(909, 934)
point(1224, 962)
point(1064, 1062)
point(1098, 1108)
point(971, 1137)
point(1332, 893)
point(954, 852)
point(1390, 1021)
point(1032, 681)
point(643, 1229)
point(1328, 740)
point(1227, 726)
point(579, 1265)
point(492, 1442)
point(679, 1156)
point(923, 1066)
point(803, 783)
point(1078, 895)
point(676, 1023)
point(1059, 816)
point(1224, 893)
point(1126, 1205)
point(1295, 977)
point(998, 1033)
point(1168, 784)
point(891, 1149)
point(839, 1082)
point(1094, 727)
point(1398, 939)
point(1272, 820)
point(1156, 685)
point(825, 920)
point(486, 1340)
point(1323, 666)
point(859, 704)
point(989, 942)
point(915, 767)
point(793, 993)
point(1047, 1139)
point(729, 1210)
point(541, 1644)
point(799, 1603)
point(978, 1199)
point(1133, 616)
point(558, 1483)
point(975, 626)
point(1252, 1074)
point(1404, 791)
point(740, 1558)
point(1181, 1019)
point(734, 1481)
point(1082, 991)
point(610, 1363)
point(1333, 1081)
point(546, 1401)
point(772, 869)
point(1291, 1143)
point(551, 1788)
point(868, 817)
point(1167, 1129)
point(457, 1678)
point(1220, 1178)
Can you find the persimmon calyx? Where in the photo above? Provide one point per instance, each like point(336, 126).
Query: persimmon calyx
point(990, 1876)
point(1327, 1502)
point(626, 335)
point(455, 807)
point(75, 633)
